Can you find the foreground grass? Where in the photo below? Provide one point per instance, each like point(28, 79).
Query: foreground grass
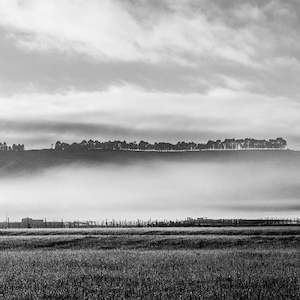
point(160, 274)
point(151, 238)
point(252, 230)
point(194, 263)
point(148, 242)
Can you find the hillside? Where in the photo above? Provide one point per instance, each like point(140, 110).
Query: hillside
point(35, 160)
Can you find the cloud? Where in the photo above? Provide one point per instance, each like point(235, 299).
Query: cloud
point(134, 113)
point(107, 31)
point(55, 73)
point(182, 46)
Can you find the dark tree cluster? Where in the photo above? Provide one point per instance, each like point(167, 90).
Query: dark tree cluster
point(123, 145)
point(248, 143)
point(227, 144)
point(15, 147)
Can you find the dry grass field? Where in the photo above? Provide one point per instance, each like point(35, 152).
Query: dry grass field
point(150, 264)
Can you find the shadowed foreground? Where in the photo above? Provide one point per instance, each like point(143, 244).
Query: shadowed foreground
point(183, 263)
point(147, 242)
point(185, 274)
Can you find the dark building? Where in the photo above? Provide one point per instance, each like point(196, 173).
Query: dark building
point(31, 223)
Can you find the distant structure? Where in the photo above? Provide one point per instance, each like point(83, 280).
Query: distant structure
point(188, 222)
point(31, 223)
point(228, 144)
point(15, 148)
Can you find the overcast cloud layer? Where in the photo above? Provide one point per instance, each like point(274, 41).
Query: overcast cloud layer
point(156, 70)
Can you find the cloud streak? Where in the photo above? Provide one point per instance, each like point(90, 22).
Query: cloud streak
point(134, 113)
point(174, 45)
point(105, 30)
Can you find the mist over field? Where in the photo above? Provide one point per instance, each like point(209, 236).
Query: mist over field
point(144, 185)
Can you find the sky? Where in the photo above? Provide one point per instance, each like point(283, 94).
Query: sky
point(149, 69)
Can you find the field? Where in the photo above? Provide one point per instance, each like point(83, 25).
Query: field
point(144, 263)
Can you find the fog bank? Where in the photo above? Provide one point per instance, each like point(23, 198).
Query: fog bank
point(155, 189)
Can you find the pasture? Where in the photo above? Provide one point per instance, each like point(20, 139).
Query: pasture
point(147, 263)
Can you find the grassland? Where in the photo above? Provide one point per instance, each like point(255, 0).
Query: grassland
point(115, 274)
point(162, 263)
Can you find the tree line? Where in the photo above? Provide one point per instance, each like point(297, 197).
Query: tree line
point(188, 222)
point(227, 144)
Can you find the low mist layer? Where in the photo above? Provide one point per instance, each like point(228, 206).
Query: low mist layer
point(150, 185)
